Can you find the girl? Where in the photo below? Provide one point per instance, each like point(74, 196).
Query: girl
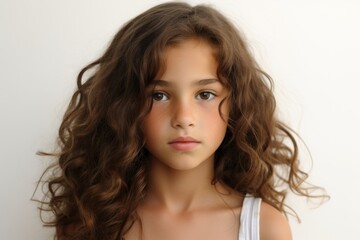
point(174, 136)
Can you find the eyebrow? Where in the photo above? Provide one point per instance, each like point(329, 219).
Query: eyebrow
point(160, 82)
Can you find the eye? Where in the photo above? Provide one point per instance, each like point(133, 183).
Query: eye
point(159, 96)
point(205, 95)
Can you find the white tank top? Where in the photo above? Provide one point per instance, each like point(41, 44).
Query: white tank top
point(250, 219)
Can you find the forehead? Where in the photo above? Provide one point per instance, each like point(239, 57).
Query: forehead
point(192, 58)
point(187, 46)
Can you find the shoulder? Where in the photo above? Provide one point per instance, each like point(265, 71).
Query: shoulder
point(273, 224)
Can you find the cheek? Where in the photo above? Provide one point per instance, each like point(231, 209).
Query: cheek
point(149, 132)
point(213, 124)
point(153, 123)
point(218, 113)
point(216, 124)
point(223, 112)
point(148, 128)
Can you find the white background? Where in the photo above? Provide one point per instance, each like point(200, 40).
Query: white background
point(310, 48)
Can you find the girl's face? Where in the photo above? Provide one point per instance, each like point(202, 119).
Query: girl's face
point(184, 127)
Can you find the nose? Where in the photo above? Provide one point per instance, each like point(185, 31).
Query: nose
point(183, 115)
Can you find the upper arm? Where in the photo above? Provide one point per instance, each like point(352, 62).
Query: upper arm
point(273, 224)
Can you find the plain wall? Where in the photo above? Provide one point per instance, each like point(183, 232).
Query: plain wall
point(310, 48)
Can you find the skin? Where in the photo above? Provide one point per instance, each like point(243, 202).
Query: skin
point(181, 202)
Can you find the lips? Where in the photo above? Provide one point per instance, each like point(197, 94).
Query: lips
point(184, 143)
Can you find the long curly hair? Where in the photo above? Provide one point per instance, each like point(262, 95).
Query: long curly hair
point(100, 174)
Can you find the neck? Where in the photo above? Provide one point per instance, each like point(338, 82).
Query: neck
point(181, 190)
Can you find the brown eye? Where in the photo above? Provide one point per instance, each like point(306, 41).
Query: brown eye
point(205, 96)
point(159, 96)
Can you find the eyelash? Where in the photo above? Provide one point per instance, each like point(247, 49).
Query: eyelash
point(198, 96)
point(207, 93)
point(156, 94)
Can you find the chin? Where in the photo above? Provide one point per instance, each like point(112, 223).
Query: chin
point(187, 164)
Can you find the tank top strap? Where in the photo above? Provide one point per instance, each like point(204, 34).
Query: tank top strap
point(250, 218)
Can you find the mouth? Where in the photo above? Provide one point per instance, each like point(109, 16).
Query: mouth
point(184, 143)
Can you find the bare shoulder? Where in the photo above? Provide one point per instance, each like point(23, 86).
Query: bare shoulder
point(273, 224)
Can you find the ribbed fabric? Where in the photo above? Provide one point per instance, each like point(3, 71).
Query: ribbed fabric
point(250, 219)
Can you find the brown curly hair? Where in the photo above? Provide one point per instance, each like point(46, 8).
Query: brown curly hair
point(100, 175)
